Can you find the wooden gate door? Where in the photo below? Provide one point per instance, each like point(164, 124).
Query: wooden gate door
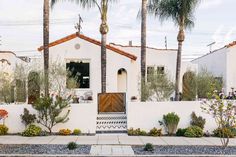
point(111, 102)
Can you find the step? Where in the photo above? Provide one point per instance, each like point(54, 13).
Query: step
point(111, 123)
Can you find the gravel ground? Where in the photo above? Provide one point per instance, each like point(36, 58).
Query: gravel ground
point(43, 149)
point(186, 150)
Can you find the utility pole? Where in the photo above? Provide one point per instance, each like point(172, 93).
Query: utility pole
point(166, 42)
point(78, 26)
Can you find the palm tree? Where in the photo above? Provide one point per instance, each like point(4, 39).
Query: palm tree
point(103, 8)
point(45, 44)
point(182, 14)
point(143, 44)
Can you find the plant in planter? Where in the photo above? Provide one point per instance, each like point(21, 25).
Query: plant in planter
point(3, 129)
point(170, 122)
point(32, 130)
point(134, 98)
point(90, 98)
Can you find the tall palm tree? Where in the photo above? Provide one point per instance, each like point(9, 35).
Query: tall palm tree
point(103, 8)
point(143, 44)
point(181, 12)
point(45, 44)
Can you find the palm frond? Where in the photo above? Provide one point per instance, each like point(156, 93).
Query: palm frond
point(181, 12)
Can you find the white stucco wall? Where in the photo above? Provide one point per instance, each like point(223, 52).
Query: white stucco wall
point(231, 69)
point(82, 116)
point(146, 115)
point(215, 63)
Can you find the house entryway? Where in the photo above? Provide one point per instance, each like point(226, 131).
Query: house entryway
point(111, 113)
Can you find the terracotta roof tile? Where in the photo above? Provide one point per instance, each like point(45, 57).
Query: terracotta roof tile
point(96, 42)
point(231, 44)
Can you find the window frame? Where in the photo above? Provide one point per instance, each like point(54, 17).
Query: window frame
point(84, 60)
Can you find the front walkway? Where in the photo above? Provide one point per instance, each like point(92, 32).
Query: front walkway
point(113, 144)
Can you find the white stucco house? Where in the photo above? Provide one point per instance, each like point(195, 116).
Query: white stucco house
point(221, 63)
point(78, 51)
point(9, 60)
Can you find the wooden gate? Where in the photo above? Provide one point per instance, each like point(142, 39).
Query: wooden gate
point(111, 102)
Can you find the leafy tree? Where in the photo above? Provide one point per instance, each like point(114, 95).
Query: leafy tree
point(102, 6)
point(158, 88)
point(50, 111)
point(199, 84)
point(6, 88)
point(181, 12)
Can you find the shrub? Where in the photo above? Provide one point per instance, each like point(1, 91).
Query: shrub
point(155, 132)
point(197, 121)
point(181, 132)
point(32, 130)
point(27, 118)
point(193, 131)
point(65, 132)
point(148, 147)
point(136, 132)
point(226, 132)
point(72, 145)
point(170, 122)
point(3, 129)
point(77, 131)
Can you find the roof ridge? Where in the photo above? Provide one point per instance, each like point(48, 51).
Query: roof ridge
point(140, 46)
point(96, 42)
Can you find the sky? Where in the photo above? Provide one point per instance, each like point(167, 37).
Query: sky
point(21, 28)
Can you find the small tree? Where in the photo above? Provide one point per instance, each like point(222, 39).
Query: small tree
point(158, 87)
point(50, 111)
point(224, 113)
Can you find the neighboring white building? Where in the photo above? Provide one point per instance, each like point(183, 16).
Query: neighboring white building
point(123, 63)
point(221, 63)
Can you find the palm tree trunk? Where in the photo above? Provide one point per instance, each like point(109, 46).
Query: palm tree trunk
point(178, 64)
point(45, 44)
point(143, 45)
point(103, 62)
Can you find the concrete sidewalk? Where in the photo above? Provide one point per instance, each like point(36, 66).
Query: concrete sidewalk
point(111, 144)
point(113, 139)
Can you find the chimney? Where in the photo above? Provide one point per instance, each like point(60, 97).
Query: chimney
point(130, 43)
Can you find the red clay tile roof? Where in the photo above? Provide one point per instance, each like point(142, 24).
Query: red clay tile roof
point(96, 42)
point(231, 44)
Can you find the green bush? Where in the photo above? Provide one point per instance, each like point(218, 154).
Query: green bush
point(193, 131)
point(170, 121)
point(224, 133)
point(155, 132)
point(3, 129)
point(148, 147)
point(181, 132)
point(72, 145)
point(32, 130)
point(76, 132)
point(136, 132)
point(27, 118)
point(197, 121)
